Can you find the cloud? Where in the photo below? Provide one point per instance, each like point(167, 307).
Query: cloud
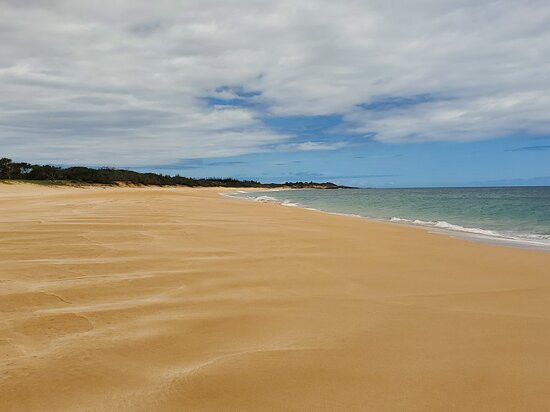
point(530, 148)
point(308, 146)
point(533, 181)
point(473, 118)
point(323, 177)
point(191, 164)
point(138, 83)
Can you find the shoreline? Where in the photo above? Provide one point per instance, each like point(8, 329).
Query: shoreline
point(466, 234)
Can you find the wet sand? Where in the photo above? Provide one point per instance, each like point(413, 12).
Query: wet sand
point(146, 299)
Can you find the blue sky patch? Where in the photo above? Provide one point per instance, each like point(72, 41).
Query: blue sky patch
point(319, 128)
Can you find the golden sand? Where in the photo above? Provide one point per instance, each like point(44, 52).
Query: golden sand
point(146, 299)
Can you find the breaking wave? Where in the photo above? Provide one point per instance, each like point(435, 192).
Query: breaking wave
point(441, 224)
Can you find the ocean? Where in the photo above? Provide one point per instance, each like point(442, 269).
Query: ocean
point(508, 215)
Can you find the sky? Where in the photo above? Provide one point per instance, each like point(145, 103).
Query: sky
point(367, 93)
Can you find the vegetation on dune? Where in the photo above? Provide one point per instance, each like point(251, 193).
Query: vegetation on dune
point(10, 170)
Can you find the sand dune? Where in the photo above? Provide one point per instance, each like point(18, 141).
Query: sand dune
point(179, 299)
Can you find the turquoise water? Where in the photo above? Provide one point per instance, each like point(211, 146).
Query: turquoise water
point(509, 213)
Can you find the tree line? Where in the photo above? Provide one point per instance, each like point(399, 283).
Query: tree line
point(10, 170)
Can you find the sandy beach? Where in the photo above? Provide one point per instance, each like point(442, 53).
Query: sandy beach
point(161, 299)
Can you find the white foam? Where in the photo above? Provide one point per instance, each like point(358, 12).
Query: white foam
point(264, 199)
point(423, 222)
point(233, 194)
point(532, 239)
point(445, 225)
point(399, 219)
point(346, 214)
point(270, 199)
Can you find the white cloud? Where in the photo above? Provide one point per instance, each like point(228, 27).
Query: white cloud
point(479, 117)
point(308, 146)
point(122, 83)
